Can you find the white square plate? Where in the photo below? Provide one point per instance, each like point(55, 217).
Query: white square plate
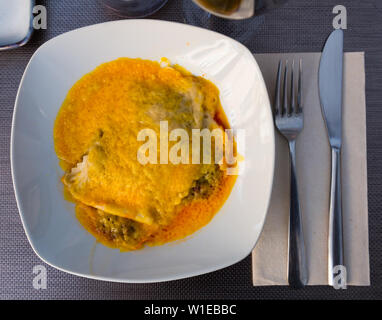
point(49, 220)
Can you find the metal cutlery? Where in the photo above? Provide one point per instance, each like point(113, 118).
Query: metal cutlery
point(290, 122)
point(330, 89)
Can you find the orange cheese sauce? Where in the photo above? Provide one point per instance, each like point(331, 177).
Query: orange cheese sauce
point(121, 202)
point(196, 214)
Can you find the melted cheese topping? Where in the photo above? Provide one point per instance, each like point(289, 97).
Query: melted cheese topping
point(122, 202)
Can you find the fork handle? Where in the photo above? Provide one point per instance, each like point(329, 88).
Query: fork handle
point(297, 267)
point(335, 241)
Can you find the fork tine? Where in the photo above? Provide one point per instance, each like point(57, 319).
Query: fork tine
point(292, 92)
point(299, 94)
point(277, 106)
point(285, 91)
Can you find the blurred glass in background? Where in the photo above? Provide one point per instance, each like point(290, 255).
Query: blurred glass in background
point(135, 8)
point(238, 19)
point(221, 16)
point(230, 9)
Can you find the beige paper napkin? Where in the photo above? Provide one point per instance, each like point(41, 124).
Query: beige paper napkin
point(269, 258)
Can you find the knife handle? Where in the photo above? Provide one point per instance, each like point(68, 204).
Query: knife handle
point(297, 266)
point(335, 243)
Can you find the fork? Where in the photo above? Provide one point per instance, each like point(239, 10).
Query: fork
point(290, 122)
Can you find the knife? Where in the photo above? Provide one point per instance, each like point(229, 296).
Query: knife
point(330, 89)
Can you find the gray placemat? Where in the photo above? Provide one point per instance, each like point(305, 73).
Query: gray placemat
point(300, 26)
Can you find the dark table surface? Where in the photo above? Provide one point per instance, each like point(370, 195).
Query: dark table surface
point(299, 26)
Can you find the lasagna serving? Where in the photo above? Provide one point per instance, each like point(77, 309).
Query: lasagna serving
point(121, 201)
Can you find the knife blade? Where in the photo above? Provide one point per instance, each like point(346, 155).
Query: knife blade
point(330, 80)
point(330, 84)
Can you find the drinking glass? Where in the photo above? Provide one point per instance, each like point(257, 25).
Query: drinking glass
point(210, 14)
point(230, 9)
point(135, 8)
